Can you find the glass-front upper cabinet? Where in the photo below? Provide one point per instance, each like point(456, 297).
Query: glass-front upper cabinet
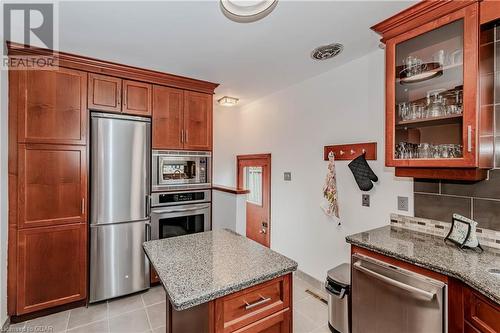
point(432, 89)
point(429, 87)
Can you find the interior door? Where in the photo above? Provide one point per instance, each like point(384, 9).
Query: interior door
point(254, 174)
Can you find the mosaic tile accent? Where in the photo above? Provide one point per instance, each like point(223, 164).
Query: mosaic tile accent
point(486, 237)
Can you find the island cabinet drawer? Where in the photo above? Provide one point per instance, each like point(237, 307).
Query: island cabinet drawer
point(235, 311)
point(278, 322)
point(480, 313)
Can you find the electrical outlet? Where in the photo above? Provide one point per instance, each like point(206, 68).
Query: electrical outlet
point(403, 203)
point(287, 176)
point(365, 200)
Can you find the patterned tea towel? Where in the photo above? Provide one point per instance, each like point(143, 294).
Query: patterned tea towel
point(330, 202)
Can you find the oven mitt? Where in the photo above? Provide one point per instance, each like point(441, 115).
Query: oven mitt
point(362, 172)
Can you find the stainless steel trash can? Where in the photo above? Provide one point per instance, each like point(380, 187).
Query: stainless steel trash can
point(338, 286)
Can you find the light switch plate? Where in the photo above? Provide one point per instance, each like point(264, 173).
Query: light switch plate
point(287, 176)
point(403, 203)
point(365, 200)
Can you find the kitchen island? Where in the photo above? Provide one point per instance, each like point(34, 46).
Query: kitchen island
point(219, 281)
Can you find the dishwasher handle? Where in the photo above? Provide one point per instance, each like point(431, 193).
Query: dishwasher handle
point(423, 293)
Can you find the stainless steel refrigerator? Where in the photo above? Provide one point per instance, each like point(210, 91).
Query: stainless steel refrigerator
point(120, 207)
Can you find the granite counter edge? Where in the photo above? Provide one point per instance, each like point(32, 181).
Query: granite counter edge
point(423, 264)
point(187, 303)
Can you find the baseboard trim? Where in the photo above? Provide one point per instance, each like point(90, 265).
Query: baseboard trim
point(318, 285)
point(45, 312)
point(6, 324)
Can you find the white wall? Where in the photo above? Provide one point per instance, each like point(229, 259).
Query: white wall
point(341, 106)
point(229, 211)
point(3, 193)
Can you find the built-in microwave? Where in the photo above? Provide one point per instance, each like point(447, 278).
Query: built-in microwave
point(174, 170)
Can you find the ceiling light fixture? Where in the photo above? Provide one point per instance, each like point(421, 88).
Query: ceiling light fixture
point(327, 51)
point(228, 101)
point(245, 11)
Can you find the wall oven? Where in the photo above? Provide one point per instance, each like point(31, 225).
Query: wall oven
point(174, 170)
point(180, 213)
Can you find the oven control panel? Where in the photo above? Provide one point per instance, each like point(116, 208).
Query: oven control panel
point(181, 197)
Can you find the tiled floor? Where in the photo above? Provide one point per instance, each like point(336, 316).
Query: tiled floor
point(146, 313)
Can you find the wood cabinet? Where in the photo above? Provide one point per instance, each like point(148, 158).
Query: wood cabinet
point(181, 119)
point(136, 98)
point(52, 185)
point(111, 94)
point(105, 93)
point(52, 106)
point(48, 132)
point(168, 118)
point(468, 311)
point(434, 125)
point(197, 121)
point(480, 313)
point(252, 307)
point(51, 266)
point(276, 323)
point(489, 11)
point(154, 278)
point(264, 308)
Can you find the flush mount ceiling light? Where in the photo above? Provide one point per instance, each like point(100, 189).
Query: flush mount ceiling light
point(228, 101)
point(245, 11)
point(327, 51)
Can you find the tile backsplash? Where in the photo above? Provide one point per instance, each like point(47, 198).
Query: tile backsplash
point(439, 199)
point(486, 237)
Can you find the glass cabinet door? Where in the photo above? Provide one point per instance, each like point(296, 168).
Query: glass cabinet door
point(429, 95)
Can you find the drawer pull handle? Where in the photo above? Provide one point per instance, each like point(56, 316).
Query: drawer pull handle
point(259, 302)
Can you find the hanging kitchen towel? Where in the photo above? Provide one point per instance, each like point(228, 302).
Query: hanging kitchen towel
point(330, 203)
point(362, 172)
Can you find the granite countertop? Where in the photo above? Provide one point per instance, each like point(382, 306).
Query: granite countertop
point(433, 253)
point(198, 268)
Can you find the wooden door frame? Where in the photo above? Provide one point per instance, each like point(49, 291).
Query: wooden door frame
point(266, 157)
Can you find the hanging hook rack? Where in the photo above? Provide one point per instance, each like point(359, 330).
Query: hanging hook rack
point(351, 151)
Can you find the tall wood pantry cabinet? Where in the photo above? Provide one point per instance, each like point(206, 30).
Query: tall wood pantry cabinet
point(48, 176)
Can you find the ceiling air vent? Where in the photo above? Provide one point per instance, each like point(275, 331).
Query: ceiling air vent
point(327, 51)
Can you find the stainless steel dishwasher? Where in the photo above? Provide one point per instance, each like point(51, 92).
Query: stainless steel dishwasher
point(387, 299)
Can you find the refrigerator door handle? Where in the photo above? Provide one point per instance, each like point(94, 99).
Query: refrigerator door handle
point(148, 205)
point(148, 231)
